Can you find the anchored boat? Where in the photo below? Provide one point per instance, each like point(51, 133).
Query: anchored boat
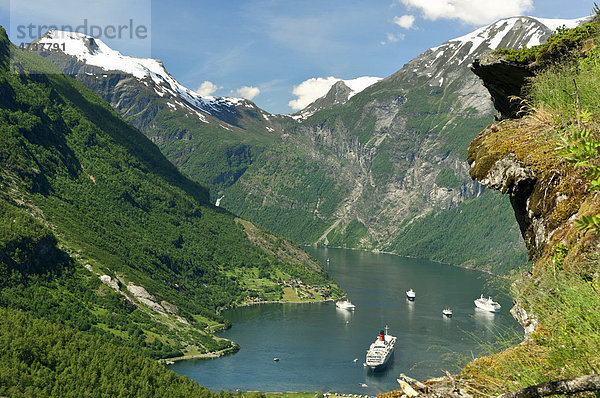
point(447, 312)
point(345, 305)
point(487, 304)
point(381, 350)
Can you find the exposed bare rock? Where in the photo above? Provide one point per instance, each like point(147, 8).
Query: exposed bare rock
point(504, 80)
point(112, 283)
point(545, 191)
point(528, 321)
point(172, 308)
point(139, 292)
point(152, 304)
point(507, 174)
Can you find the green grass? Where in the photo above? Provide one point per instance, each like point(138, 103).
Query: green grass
point(565, 345)
point(550, 89)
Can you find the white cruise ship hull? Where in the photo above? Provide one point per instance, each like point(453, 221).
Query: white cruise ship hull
point(377, 365)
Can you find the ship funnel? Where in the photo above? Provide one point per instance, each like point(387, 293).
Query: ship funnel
point(381, 336)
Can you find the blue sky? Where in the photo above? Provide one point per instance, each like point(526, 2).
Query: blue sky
point(264, 48)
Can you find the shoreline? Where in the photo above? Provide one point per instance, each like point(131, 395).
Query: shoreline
point(207, 355)
point(281, 302)
point(376, 251)
point(235, 348)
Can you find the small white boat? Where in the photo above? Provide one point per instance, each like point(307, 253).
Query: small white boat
point(410, 294)
point(345, 305)
point(447, 312)
point(487, 304)
point(276, 359)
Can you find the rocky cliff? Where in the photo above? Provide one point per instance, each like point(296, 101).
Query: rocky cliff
point(556, 300)
point(518, 158)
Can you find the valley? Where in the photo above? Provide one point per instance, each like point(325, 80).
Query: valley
point(145, 224)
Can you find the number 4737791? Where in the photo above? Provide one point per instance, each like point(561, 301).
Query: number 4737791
point(42, 47)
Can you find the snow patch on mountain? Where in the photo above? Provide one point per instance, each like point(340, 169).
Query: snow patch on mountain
point(359, 84)
point(554, 24)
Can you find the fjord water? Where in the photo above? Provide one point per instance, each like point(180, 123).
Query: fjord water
point(317, 343)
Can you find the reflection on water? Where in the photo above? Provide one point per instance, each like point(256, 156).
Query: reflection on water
point(318, 343)
point(344, 315)
point(484, 317)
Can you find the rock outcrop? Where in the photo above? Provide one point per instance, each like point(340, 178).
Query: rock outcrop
point(547, 194)
point(505, 80)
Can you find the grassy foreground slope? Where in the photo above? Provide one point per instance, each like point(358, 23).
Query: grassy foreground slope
point(99, 233)
point(556, 148)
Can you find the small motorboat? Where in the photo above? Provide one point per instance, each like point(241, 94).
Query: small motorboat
point(410, 294)
point(447, 312)
point(276, 359)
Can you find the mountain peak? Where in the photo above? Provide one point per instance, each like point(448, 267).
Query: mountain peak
point(94, 52)
point(339, 93)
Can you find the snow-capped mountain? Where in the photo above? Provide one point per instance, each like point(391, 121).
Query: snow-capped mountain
point(448, 64)
point(214, 139)
point(94, 58)
point(339, 93)
point(515, 32)
point(445, 62)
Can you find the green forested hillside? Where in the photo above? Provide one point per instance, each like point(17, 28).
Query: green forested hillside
point(41, 359)
point(99, 233)
point(443, 237)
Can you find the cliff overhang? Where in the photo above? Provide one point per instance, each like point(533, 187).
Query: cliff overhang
point(505, 80)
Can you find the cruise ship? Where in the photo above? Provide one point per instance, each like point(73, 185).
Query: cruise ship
point(381, 350)
point(487, 304)
point(345, 305)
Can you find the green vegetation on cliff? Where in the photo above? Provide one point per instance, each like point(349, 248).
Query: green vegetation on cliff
point(556, 148)
point(560, 47)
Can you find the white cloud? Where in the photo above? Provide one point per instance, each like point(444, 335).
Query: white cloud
point(248, 92)
point(476, 12)
point(310, 90)
point(392, 38)
point(207, 88)
point(405, 21)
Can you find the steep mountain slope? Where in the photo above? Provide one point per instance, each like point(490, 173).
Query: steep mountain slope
point(213, 139)
point(391, 155)
point(100, 232)
point(382, 169)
